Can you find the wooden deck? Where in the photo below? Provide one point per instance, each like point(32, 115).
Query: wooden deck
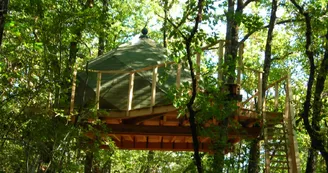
point(160, 129)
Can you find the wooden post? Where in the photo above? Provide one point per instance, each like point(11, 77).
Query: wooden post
point(220, 61)
point(292, 142)
point(98, 90)
point(130, 96)
point(266, 147)
point(240, 64)
point(178, 75)
point(259, 96)
point(197, 70)
point(276, 96)
point(71, 107)
point(153, 89)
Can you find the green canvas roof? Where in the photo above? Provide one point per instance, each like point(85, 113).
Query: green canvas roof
point(114, 87)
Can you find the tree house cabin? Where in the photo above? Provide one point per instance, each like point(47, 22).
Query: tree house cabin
point(127, 89)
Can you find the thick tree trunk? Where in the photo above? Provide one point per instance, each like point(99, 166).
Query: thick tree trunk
point(311, 161)
point(254, 155)
point(231, 44)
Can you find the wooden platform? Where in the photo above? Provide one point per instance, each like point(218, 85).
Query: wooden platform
point(160, 129)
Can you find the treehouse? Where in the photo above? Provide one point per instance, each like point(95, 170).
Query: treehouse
point(126, 88)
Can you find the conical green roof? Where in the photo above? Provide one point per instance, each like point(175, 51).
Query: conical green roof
point(114, 87)
point(133, 55)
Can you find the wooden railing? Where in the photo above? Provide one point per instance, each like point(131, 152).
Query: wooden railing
point(131, 73)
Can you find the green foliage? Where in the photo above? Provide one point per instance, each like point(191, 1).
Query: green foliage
point(35, 132)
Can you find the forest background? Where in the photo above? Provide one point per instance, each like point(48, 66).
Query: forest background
point(43, 40)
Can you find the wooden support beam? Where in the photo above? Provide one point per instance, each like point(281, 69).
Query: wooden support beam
point(115, 137)
point(130, 130)
point(173, 139)
point(98, 90)
point(162, 146)
point(267, 159)
point(130, 96)
point(71, 107)
point(204, 139)
point(178, 75)
point(269, 86)
point(293, 153)
point(153, 89)
point(137, 112)
point(139, 119)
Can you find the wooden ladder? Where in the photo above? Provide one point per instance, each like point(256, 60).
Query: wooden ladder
point(280, 144)
point(276, 146)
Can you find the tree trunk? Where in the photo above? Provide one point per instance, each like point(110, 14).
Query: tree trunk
point(3, 12)
point(313, 129)
point(311, 161)
point(88, 162)
point(150, 159)
point(254, 155)
point(165, 23)
point(255, 147)
point(102, 34)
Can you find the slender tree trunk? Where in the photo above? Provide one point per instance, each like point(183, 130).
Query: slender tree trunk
point(3, 12)
point(268, 49)
point(192, 113)
point(313, 129)
point(165, 23)
point(102, 33)
point(150, 159)
point(311, 161)
point(253, 166)
point(88, 162)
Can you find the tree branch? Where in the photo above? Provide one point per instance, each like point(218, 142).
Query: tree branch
point(246, 3)
point(264, 27)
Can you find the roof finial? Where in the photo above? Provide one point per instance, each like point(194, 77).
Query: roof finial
point(144, 32)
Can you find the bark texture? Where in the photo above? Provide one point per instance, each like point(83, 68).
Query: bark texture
point(311, 161)
point(253, 164)
point(313, 127)
point(192, 112)
point(3, 12)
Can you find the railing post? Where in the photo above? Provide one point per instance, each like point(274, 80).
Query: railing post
point(178, 76)
point(130, 96)
point(292, 142)
point(220, 60)
point(98, 89)
point(240, 63)
point(276, 96)
point(265, 132)
point(71, 107)
point(153, 89)
point(259, 96)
